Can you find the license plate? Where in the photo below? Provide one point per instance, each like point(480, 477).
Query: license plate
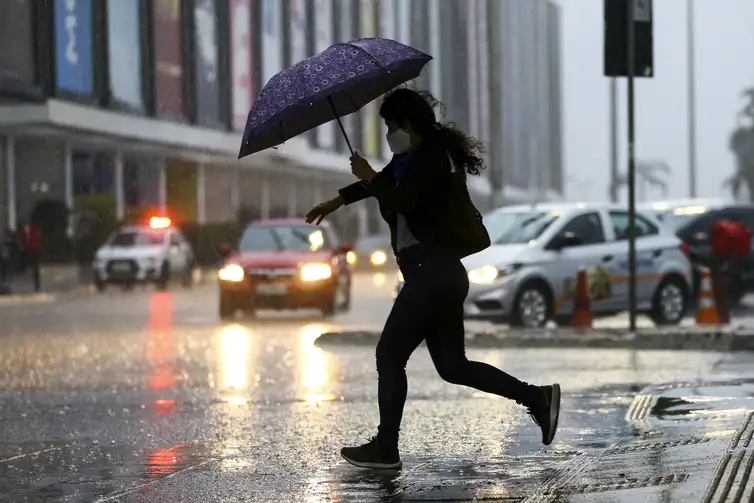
point(271, 289)
point(121, 268)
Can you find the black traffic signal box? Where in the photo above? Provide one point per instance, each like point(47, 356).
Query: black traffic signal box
point(616, 38)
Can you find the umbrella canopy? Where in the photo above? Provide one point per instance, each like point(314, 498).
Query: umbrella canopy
point(336, 82)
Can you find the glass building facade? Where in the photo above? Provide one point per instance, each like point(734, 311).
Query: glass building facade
point(120, 96)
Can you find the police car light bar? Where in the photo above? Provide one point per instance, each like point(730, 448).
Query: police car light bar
point(159, 222)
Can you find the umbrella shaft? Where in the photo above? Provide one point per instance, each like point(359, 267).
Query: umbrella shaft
point(340, 123)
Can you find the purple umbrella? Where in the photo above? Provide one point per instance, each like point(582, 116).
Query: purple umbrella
point(334, 83)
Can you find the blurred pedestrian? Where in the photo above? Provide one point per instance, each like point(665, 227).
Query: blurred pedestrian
point(433, 224)
point(6, 259)
point(31, 250)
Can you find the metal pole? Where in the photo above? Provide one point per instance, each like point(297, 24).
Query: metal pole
point(614, 177)
point(631, 175)
point(691, 82)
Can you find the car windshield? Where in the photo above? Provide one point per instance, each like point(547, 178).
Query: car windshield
point(298, 238)
point(675, 219)
point(128, 239)
point(518, 227)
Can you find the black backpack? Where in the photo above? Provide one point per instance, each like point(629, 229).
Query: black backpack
point(464, 227)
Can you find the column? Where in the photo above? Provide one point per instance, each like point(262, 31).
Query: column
point(264, 209)
point(10, 181)
point(292, 197)
point(201, 194)
point(120, 197)
point(162, 190)
point(68, 174)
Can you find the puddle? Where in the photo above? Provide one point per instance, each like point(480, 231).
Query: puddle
point(86, 471)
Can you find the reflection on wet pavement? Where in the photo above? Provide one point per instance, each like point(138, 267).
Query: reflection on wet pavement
point(125, 397)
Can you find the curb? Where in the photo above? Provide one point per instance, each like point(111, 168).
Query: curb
point(53, 291)
point(36, 298)
point(693, 339)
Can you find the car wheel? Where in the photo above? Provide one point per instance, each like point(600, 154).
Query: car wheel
point(164, 279)
point(670, 302)
point(330, 305)
point(533, 306)
point(227, 307)
point(345, 306)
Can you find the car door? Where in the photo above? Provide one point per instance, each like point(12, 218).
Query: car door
point(696, 235)
point(592, 252)
point(650, 248)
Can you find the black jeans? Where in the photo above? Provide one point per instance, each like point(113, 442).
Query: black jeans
point(430, 307)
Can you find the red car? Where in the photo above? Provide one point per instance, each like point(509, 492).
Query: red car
point(286, 264)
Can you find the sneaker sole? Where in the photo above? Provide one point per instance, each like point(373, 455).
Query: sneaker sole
point(374, 466)
point(554, 413)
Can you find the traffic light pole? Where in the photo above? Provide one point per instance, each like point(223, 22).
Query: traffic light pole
point(631, 170)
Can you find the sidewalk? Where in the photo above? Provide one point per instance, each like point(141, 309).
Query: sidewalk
point(68, 278)
point(693, 338)
point(692, 443)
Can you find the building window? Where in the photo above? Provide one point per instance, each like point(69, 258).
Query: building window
point(124, 49)
point(207, 70)
point(17, 56)
point(73, 46)
point(168, 60)
point(241, 70)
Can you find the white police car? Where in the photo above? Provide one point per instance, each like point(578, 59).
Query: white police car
point(527, 275)
point(154, 253)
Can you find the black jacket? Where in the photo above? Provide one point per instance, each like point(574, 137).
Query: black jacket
point(422, 196)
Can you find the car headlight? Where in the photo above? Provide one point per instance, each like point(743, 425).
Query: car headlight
point(488, 274)
point(231, 272)
point(351, 258)
point(378, 257)
point(484, 275)
point(315, 272)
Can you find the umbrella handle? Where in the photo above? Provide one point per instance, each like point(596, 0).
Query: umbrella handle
point(342, 129)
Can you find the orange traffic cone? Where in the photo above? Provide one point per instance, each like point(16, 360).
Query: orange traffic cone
point(706, 311)
point(582, 313)
point(721, 301)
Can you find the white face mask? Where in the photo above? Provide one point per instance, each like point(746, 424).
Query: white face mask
point(399, 141)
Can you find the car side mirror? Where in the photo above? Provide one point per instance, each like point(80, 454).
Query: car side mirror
point(224, 250)
point(566, 240)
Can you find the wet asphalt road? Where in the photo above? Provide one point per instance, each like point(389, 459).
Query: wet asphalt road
point(145, 396)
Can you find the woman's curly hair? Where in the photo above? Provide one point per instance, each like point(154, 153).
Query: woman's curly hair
point(417, 108)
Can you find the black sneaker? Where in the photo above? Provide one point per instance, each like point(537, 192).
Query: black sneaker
point(547, 411)
point(372, 455)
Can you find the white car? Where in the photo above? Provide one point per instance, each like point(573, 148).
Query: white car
point(154, 253)
point(528, 274)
